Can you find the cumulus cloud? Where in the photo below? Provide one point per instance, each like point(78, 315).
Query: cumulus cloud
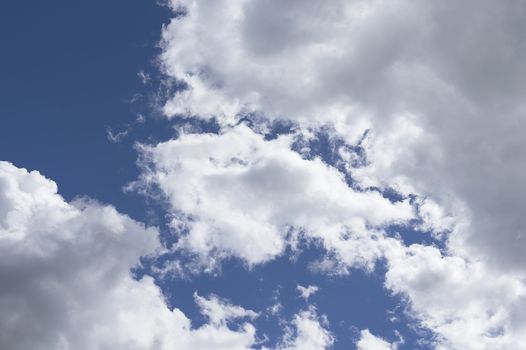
point(440, 86)
point(301, 60)
point(307, 334)
point(469, 304)
point(241, 195)
point(368, 341)
point(66, 280)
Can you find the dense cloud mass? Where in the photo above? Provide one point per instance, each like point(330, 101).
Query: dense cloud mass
point(244, 196)
point(447, 78)
point(66, 281)
point(436, 88)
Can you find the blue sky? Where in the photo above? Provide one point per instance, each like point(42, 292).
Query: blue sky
point(258, 147)
point(80, 78)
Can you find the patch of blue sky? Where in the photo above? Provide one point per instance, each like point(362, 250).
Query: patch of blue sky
point(351, 302)
point(69, 70)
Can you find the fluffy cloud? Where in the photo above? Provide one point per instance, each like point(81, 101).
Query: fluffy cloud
point(466, 302)
point(440, 86)
point(301, 60)
point(219, 312)
point(308, 333)
point(66, 281)
point(368, 341)
point(241, 195)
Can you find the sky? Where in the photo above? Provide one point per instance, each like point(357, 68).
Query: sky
point(251, 174)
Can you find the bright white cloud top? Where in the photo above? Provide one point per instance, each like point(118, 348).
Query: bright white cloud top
point(243, 196)
point(370, 342)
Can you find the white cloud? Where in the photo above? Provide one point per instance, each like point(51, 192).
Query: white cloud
point(219, 312)
point(241, 195)
point(469, 304)
point(300, 60)
point(440, 84)
point(368, 341)
point(66, 281)
point(308, 333)
point(244, 193)
point(306, 292)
